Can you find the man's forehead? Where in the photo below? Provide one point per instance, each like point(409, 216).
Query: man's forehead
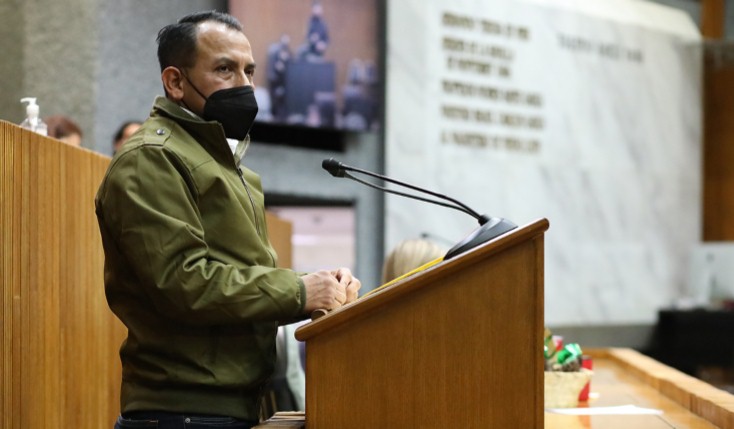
point(215, 29)
point(215, 25)
point(213, 37)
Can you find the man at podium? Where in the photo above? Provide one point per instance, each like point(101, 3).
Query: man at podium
point(189, 268)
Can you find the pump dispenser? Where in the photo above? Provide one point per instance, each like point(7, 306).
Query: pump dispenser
point(32, 121)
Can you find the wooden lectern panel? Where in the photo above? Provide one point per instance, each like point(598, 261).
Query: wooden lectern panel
point(59, 340)
point(458, 345)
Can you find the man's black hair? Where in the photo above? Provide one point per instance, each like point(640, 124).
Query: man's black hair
point(177, 42)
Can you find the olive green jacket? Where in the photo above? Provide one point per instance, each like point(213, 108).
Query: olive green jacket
point(190, 271)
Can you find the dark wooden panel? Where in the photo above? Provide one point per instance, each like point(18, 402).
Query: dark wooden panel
point(718, 146)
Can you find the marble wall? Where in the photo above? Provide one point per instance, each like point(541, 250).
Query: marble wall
point(585, 113)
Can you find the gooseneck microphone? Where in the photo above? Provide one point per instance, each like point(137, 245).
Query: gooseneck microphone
point(489, 227)
point(337, 169)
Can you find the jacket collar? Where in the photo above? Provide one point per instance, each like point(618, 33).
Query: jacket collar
point(209, 134)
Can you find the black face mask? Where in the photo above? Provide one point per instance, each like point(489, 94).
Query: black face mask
point(234, 108)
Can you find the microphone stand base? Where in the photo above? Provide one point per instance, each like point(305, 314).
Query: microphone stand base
point(494, 228)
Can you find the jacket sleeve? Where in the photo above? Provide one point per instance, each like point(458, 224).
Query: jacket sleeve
point(148, 205)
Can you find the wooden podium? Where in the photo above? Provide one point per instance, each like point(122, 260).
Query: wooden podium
point(458, 345)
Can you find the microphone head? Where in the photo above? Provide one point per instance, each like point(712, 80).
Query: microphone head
point(333, 166)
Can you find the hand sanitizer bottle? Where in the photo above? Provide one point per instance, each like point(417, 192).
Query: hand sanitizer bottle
point(32, 121)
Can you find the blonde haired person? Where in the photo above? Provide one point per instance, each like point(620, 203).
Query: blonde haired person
point(409, 255)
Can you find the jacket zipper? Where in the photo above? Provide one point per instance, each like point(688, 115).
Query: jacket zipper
point(252, 202)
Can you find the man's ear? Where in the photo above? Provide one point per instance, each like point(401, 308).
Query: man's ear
point(173, 83)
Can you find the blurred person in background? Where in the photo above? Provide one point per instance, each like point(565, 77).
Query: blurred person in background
point(409, 255)
point(123, 133)
point(63, 128)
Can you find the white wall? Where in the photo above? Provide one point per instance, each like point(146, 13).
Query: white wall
point(591, 117)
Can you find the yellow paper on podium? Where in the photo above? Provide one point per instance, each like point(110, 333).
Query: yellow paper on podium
point(406, 275)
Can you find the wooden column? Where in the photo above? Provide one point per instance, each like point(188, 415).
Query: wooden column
point(713, 15)
point(718, 145)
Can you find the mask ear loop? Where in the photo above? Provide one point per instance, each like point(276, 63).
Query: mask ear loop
point(193, 86)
